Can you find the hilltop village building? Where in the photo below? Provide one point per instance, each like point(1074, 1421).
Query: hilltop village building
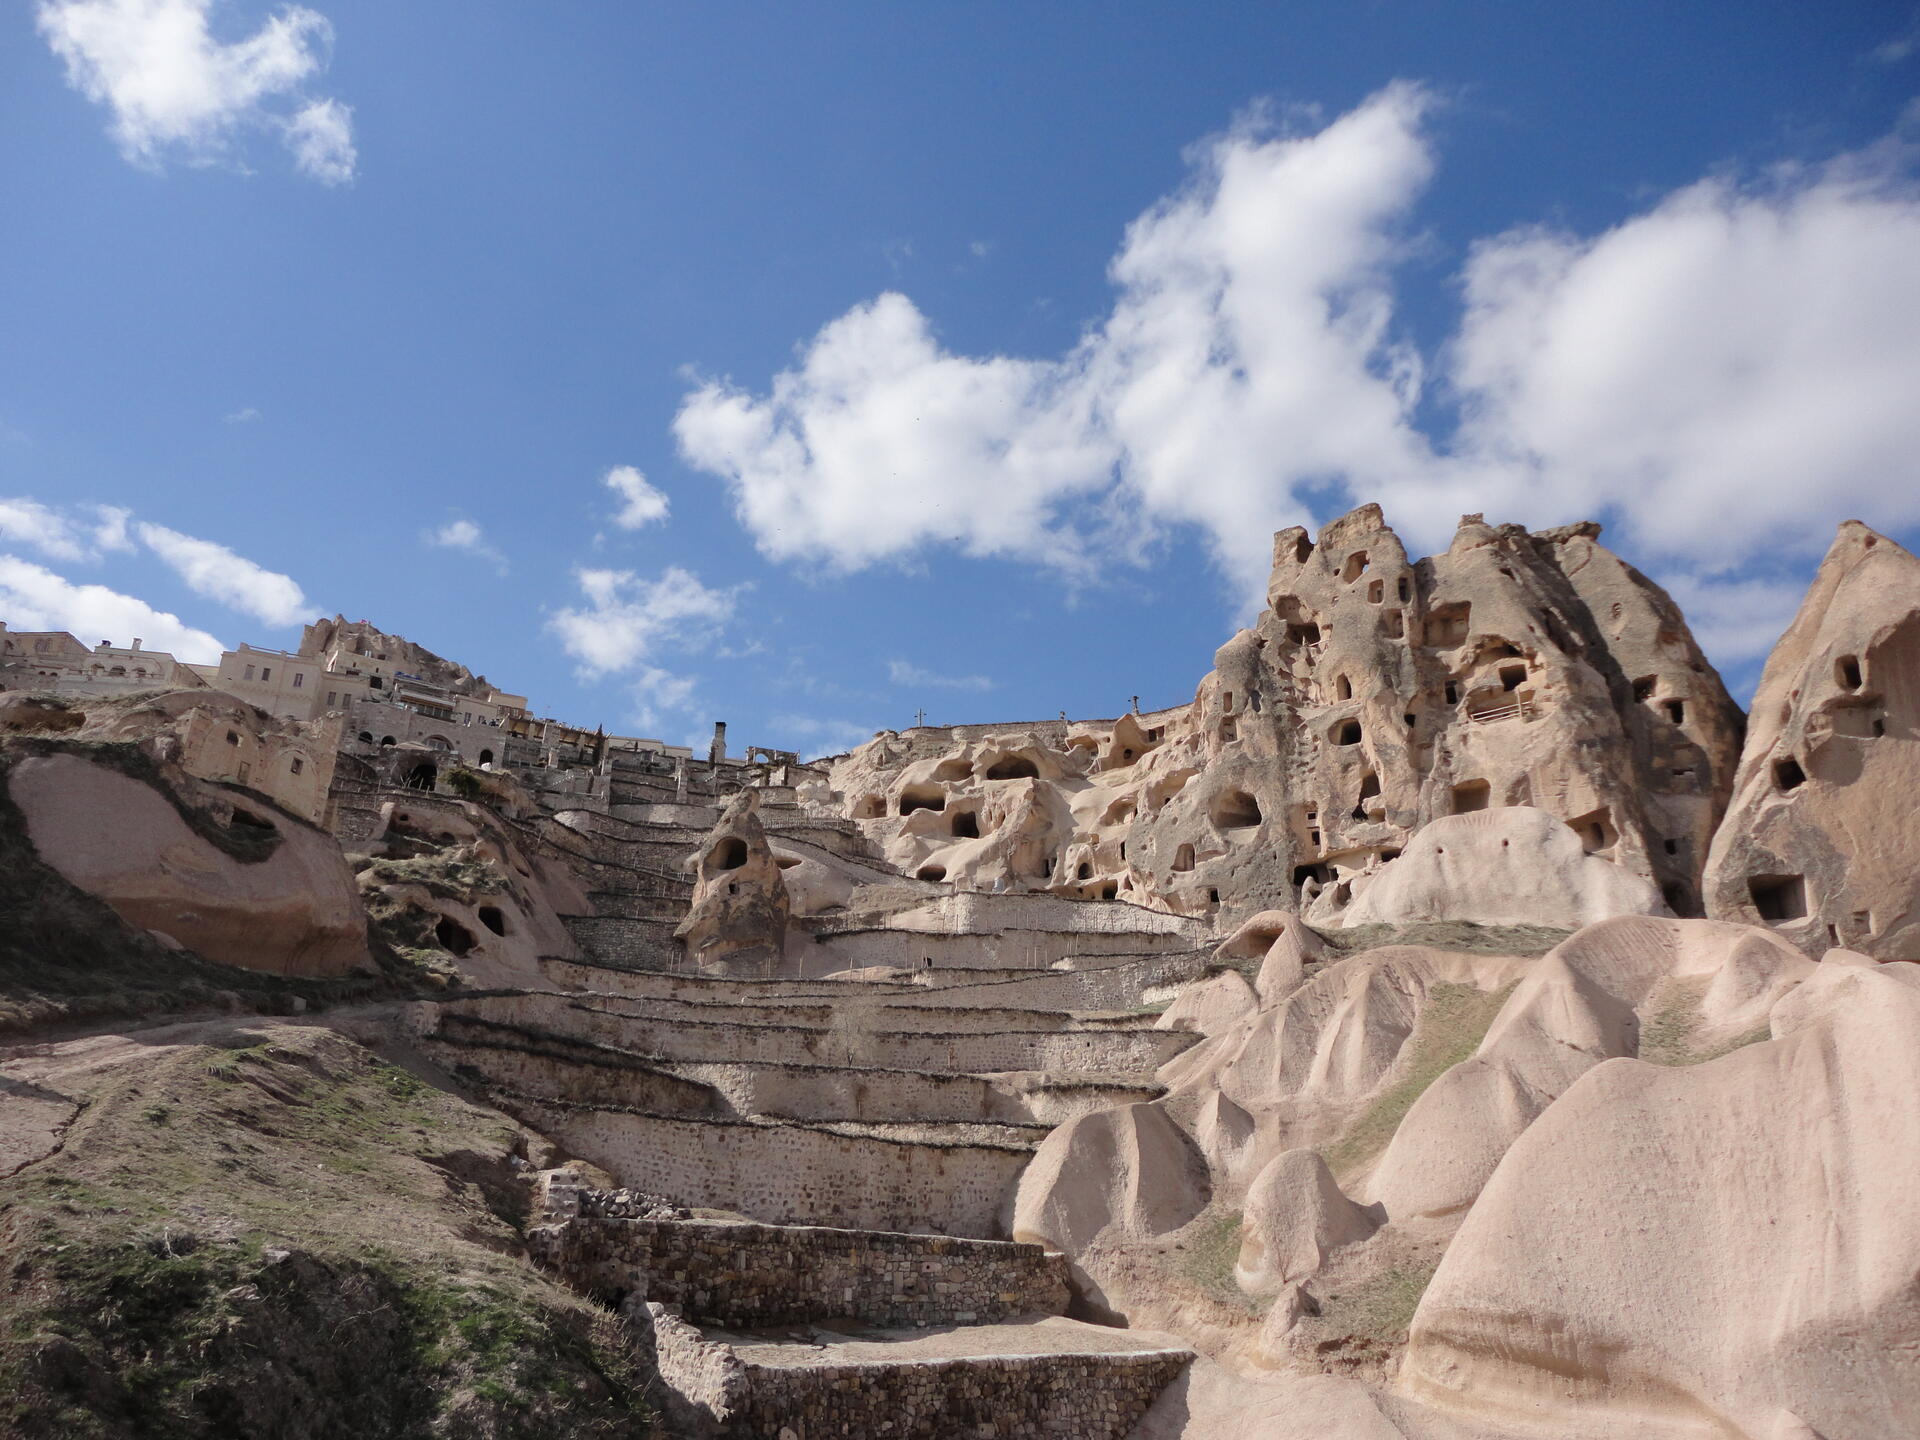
point(396, 712)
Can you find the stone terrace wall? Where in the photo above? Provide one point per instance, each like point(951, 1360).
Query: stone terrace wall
point(856, 949)
point(742, 1275)
point(521, 1060)
point(1118, 986)
point(1013, 1397)
point(969, 912)
point(869, 1040)
point(833, 1092)
point(790, 1174)
point(717, 989)
point(633, 944)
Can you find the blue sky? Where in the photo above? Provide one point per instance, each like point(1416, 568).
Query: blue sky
point(947, 356)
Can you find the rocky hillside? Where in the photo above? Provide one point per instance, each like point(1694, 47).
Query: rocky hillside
point(1459, 1022)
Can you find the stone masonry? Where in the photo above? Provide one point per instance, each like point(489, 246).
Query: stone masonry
point(748, 1275)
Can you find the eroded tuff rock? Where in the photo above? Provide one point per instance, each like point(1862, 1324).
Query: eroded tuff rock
point(1516, 866)
point(1678, 988)
point(1822, 840)
point(1375, 694)
point(1296, 1215)
point(1725, 1249)
point(216, 870)
point(740, 905)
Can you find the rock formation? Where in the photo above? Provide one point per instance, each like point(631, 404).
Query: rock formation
point(215, 870)
point(740, 906)
point(1355, 1023)
point(1747, 1242)
point(1515, 866)
point(1823, 834)
point(1374, 695)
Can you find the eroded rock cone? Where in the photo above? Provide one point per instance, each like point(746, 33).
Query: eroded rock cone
point(1822, 840)
point(740, 905)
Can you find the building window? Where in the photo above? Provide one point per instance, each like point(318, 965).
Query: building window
point(299, 679)
point(266, 674)
point(330, 698)
point(298, 765)
point(249, 674)
point(243, 772)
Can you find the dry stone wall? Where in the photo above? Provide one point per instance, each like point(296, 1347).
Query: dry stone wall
point(1011, 1397)
point(744, 1275)
point(791, 1174)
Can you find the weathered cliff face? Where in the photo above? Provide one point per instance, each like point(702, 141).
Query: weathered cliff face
point(740, 904)
point(1822, 840)
point(1374, 694)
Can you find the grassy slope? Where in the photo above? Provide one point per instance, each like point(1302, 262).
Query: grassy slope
point(285, 1236)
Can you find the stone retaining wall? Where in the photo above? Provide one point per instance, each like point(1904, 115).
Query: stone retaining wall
point(1032, 950)
point(503, 1057)
point(635, 944)
point(742, 1276)
point(869, 1041)
point(832, 1092)
point(790, 1174)
point(1011, 1397)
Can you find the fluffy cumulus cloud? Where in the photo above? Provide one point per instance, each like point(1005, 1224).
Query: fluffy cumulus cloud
point(1727, 373)
point(640, 504)
point(902, 672)
point(233, 580)
point(627, 618)
point(177, 92)
point(465, 535)
point(34, 598)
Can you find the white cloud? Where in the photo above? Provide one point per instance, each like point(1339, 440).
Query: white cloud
point(1732, 370)
point(640, 503)
point(463, 534)
point(80, 533)
point(34, 598)
point(900, 672)
point(241, 417)
point(628, 617)
point(321, 139)
point(236, 582)
point(658, 693)
point(176, 91)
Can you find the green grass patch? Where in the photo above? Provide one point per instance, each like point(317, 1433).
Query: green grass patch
point(1451, 1026)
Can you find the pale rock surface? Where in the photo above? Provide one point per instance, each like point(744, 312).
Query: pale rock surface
point(1727, 1249)
point(1284, 946)
point(1302, 1068)
point(1295, 1216)
point(740, 904)
point(295, 912)
point(1586, 1001)
point(1374, 695)
point(1822, 840)
point(1113, 1175)
point(1211, 1005)
point(1517, 866)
